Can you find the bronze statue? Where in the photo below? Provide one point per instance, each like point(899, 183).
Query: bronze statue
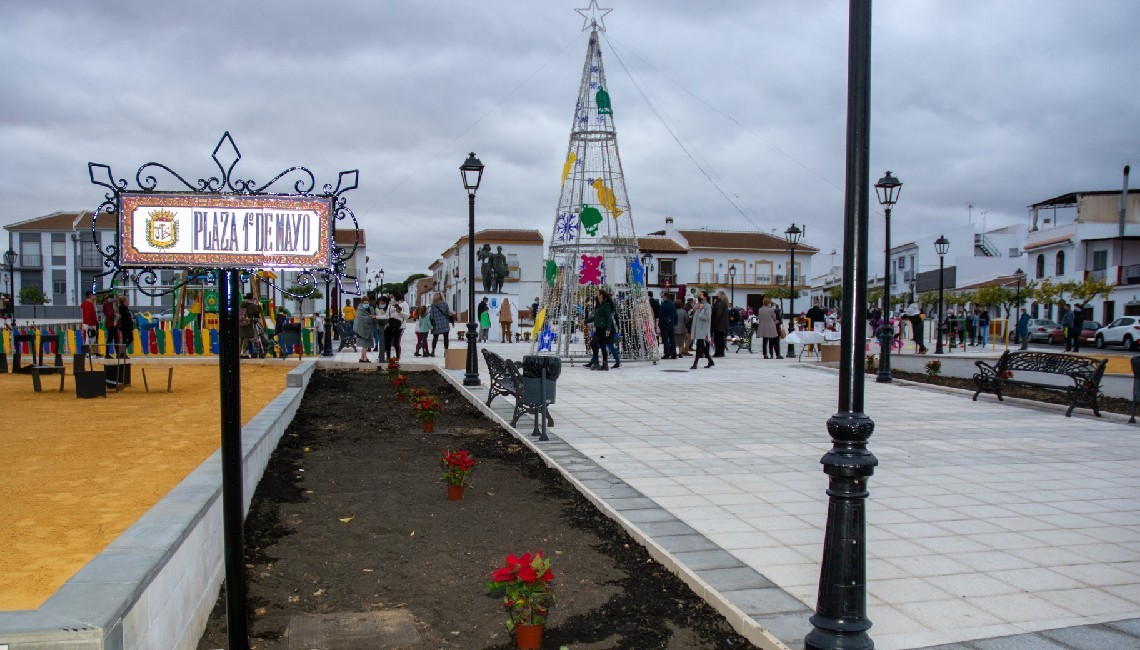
point(484, 255)
point(499, 266)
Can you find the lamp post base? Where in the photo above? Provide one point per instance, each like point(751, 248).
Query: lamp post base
point(471, 378)
point(886, 335)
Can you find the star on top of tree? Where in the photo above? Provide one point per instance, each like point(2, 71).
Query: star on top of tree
point(594, 17)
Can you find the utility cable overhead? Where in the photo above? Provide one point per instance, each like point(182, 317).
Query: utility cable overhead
point(450, 145)
point(677, 139)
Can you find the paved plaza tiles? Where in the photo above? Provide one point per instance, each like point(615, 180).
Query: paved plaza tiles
point(991, 526)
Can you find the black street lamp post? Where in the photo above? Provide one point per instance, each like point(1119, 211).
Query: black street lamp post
point(941, 246)
point(840, 620)
point(732, 284)
point(472, 172)
point(646, 265)
point(887, 190)
point(10, 262)
point(793, 234)
point(327, 342)
point(1019, 275)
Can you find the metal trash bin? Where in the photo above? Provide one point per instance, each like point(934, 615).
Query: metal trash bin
point(532, 378)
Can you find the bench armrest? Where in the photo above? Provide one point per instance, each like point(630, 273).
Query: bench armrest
point(985, 369)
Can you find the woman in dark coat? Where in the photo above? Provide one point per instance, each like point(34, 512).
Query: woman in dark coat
point(440, 315)
point(126, 327)
point(603, 329)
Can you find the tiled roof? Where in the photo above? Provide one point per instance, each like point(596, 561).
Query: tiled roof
point(1048, 242)
point(347, 237)
point(999, 281)
point(724, 240)
point(503, 236)
point(659, 245)
point(64, 221)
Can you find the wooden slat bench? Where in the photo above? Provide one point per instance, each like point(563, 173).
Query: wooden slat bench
point(1013, 366)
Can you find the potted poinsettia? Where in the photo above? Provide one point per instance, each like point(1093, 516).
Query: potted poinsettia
point(933, 368)
point(400, 383)
point(426, 407)
point(457, 468)
point(393, 368)
point(525, 583)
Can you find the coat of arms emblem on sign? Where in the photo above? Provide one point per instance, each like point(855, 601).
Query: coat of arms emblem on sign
point(161, 229)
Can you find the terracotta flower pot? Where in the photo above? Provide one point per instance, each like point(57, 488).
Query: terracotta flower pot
point(429, 426)
point(528, 637)
point(454, 492)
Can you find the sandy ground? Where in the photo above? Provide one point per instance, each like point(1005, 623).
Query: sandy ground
point(77, 473)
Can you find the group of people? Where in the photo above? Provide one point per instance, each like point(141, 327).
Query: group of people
point(117, 320)
point(506, 319)
point(378, 323)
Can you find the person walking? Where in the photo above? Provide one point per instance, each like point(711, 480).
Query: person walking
point(440, 315)
point(484, 308)
point(768, 329)
point(394, 330)
point(719, 323)
point(667, 322)
point(364, 325)
point(90, 320)
point(1067, 326)
point(249, 312)
point(379, 332)
point(681, 328)
point(602, 338)
point(111, 324)
point(983, 326)
point(914, 317)
point(1074, 335)
point(348, 311)
point(423, 327)
point(1023, 330)
point(702, 327)
point(126, 328)
point(319, 326)
point(506, 318)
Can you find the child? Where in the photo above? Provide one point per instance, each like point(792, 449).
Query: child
point(423, 326)
point(484, 325)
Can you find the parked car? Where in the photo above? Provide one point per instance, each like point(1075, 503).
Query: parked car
point(1122, 331)
point(1040, 329)
point(1088, 333)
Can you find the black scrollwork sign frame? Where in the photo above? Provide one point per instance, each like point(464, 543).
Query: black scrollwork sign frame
point(226, 156)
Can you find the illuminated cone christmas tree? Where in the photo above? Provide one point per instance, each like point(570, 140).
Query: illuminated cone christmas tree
point(593, 244)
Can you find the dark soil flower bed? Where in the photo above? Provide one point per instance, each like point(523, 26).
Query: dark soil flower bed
point(351, 517)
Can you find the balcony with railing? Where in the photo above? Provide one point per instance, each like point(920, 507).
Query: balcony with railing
point(90, 260)
point(1097, 275)
point(26, 261)
point(744, 279)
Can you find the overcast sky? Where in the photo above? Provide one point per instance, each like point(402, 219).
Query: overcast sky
point(994, 104)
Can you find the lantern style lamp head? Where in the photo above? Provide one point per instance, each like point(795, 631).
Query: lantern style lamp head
point(9, 258)
point(732, 271)
point(1019, 274)
point(472, 172)
point(793, 234)
point(942, 245)
point(888, 189)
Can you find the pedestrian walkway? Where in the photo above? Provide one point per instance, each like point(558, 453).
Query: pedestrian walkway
point(990, 525)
